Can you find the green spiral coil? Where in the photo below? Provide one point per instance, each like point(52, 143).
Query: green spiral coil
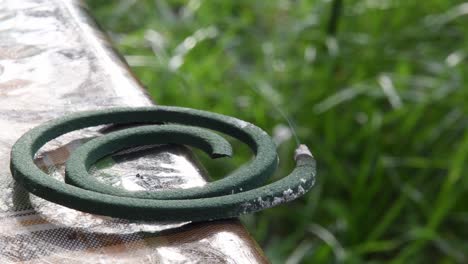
point(242, 191)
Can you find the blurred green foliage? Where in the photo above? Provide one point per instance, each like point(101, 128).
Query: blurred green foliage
point(382, 105)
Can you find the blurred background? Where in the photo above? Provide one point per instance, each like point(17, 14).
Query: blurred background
point(376, 88)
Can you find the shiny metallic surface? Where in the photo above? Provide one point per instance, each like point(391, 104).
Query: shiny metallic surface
point(54, 61)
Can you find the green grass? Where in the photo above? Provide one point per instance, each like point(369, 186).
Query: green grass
point(382, 106)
